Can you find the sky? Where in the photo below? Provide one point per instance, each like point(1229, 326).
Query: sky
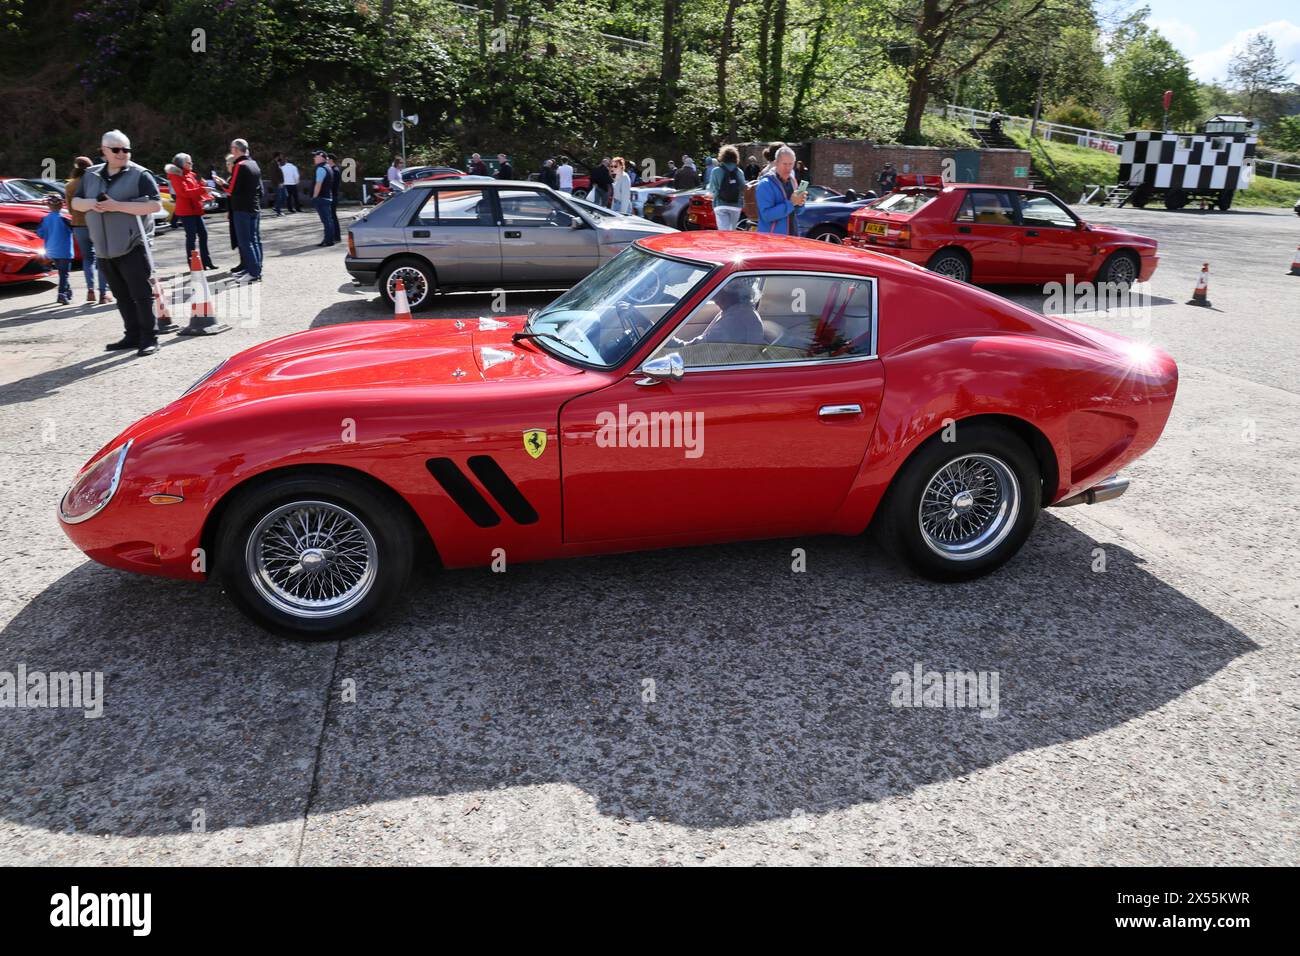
point(1207, 31)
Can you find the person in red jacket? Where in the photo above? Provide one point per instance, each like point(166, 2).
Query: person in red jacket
point(190, 195)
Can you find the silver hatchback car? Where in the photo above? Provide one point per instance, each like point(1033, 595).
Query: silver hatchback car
point(475, 233)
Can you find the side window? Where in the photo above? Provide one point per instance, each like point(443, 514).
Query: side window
point(782, 317)
point(1044, 211)
point(987, 209)
point(527, 207)
point(457, 207)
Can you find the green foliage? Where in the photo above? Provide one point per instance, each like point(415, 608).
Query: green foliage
point(1073, 113)
point(1145, 66)
point(1285, 134)
point(937, 131)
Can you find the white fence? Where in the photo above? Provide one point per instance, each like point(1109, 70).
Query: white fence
point(1077, 135)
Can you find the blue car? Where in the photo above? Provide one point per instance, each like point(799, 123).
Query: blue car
point(827, 219)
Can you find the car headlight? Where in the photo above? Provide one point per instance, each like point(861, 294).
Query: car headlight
point(21, 250)
point(94, 487)
point(206, 375)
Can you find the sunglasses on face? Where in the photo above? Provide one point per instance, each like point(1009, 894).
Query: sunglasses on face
point(118, 149)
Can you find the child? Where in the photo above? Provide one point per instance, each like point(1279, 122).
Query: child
point(56, 232)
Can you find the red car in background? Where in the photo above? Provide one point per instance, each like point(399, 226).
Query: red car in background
point(1000, 234)
point(22, 256)
point(699, 387)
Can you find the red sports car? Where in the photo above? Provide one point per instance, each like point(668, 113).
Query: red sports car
point(996, 234)
point(22, 256)
point(696, 388)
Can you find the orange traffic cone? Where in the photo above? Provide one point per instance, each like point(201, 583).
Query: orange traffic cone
point(1295, 262)
point(401, 310)
point(203, 313)
point(162, 315)
point(1200, 295)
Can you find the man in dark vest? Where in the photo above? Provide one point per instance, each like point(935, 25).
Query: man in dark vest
point(246, 209)
point(336, 192)
point(322, 197)
point(120, 200)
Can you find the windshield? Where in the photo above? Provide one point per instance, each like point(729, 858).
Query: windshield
point(25, 192)
point(602, 319)
point(599, 213)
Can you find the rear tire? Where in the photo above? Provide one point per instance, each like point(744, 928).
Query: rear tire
point(1224, 201)
point(951, 263)
point(314, 556)
point(418, 278)
point(1175, 199)
point(958, 510)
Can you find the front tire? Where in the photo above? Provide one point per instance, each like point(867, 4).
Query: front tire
point(314, 556)
point(416, 276)
point(1121, 269)
point(1225, 199)
point(958, 510)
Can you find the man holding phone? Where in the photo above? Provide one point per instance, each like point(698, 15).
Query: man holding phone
point(120, 199)
point(777, 196)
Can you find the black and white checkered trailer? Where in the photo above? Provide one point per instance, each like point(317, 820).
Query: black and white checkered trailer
point(1179, 167)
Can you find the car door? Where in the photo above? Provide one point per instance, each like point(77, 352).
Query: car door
point(539, 241)
point(764, 433)
point(1054, 244)
point(987, 228)
point(456, 229)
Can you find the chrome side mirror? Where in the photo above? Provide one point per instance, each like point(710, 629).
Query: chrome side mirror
point(668, 367)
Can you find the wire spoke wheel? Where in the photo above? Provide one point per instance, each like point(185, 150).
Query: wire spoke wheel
point(312, 559)
point(968, 507)
point(1123, 272)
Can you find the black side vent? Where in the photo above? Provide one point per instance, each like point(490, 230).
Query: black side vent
point(496, 481)
point(462, 492)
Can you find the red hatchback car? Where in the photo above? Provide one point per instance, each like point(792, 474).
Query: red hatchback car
point(697, 388)
point(996, 234)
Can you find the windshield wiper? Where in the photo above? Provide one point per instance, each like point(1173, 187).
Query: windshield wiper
point(519, 336)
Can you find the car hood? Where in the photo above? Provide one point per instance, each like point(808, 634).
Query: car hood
point(442, 353)
point(630, 228)
point(1115, 234)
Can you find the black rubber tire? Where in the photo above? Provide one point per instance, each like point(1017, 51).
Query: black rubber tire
point(1224, 201)
point(897, 526)
point(1141, 196)
point(580, 194)
point(954, 256)
point(1108, 268)
point(829, 233)
point(385, 520)
point(431, 282)
point(1175, 199)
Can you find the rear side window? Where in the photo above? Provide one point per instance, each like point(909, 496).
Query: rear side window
point(905, 203)
point(457, 207)
point(987, 208)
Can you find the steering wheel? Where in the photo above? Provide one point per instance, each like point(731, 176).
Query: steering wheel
point(634, 324)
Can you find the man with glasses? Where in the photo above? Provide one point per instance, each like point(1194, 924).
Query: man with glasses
point(120, 199)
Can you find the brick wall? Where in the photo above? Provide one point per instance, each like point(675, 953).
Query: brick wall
point(862, 161)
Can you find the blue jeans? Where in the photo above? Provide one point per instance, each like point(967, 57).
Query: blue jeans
point(196, 233)
point(599, 196)
point(281, 198)
point(88, 260)
point(248, 234)
point(325, 209)
point(65, 285)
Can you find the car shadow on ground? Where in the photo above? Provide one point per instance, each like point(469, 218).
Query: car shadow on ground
point(707, 686)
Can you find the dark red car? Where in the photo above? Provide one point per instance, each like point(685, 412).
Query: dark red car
point(996, 234)
point(699, 387)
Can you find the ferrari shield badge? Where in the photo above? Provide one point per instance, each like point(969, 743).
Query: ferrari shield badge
point(535, 441)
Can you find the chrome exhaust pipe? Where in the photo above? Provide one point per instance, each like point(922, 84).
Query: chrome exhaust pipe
point(1112, 487)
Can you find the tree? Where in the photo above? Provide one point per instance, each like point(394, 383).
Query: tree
point(952, 37)
point(1145, 67)
point(1257, 69)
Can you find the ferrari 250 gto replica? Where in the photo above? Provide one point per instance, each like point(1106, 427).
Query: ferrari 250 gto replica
point(699, 387)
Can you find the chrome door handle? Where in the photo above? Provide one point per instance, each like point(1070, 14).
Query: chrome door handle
point(826, 411)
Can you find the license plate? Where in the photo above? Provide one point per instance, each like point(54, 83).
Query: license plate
point(875, 228)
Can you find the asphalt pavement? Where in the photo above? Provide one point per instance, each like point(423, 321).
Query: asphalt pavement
point(694, 706)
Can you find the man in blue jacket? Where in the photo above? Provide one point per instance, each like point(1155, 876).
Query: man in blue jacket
point(777, 197)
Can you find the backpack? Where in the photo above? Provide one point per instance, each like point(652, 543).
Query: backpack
point(749, 206)
point(729, 188)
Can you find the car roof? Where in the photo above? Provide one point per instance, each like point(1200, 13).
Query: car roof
point(751, 250)
point(453, 182)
